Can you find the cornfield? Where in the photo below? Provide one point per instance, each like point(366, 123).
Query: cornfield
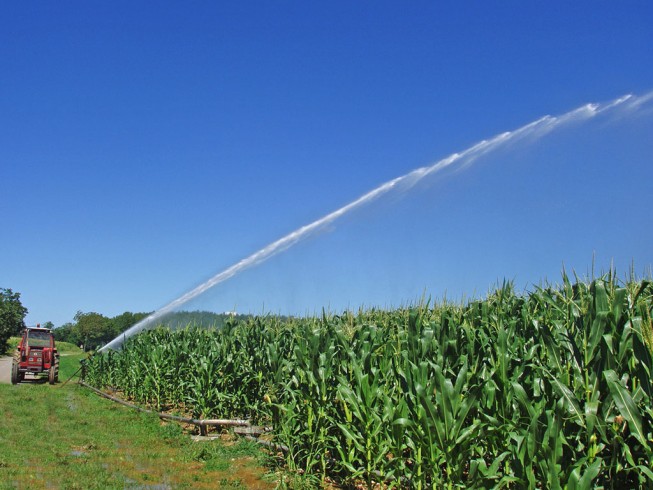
point(548, 389)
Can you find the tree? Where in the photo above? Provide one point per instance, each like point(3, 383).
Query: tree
point(12, 316)
point(67, 333)
point(91, 328)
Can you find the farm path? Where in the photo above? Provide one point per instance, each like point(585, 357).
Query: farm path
point(5, 370)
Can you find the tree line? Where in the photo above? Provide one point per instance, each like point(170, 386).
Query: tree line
point(90, 330)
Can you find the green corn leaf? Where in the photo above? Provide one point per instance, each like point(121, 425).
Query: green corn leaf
point(593, 422)
point(553, 349)
point(584, 482)
point(467, 432)
point(570, 400)
point(626, 406)
point(461, 379)
point(590, 474)
point(601, 300)
point(619, 301)
point(574, 479)
point(466, 405)
point(522, 398)
point(646, 471)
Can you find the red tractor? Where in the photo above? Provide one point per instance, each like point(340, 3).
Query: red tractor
point(36, 354)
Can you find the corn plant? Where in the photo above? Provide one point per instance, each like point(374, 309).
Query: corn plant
point(547, 389)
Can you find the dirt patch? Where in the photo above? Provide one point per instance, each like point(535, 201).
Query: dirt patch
point(5, 369)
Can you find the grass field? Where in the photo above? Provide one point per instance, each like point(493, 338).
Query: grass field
point(66, 437)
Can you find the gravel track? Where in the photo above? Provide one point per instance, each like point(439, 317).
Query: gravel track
point(5, 370)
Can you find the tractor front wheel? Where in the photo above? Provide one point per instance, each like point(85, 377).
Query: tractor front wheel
point(15, 376)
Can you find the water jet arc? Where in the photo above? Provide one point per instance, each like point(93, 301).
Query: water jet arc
point(533, 130)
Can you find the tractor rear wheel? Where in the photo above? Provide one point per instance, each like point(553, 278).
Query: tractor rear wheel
point(52, 374)
point(15, 376)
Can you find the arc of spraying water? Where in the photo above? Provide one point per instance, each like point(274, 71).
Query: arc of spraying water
point(534, 130)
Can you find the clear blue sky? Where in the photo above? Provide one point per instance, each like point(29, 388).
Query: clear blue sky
point(145, 146)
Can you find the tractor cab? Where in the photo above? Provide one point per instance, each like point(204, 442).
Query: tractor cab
point(36, 355)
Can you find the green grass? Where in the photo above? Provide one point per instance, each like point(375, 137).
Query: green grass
point(69, 367)
point(66, 348)
point(67, 437)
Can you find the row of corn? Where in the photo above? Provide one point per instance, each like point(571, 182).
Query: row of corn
point(548, 389)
